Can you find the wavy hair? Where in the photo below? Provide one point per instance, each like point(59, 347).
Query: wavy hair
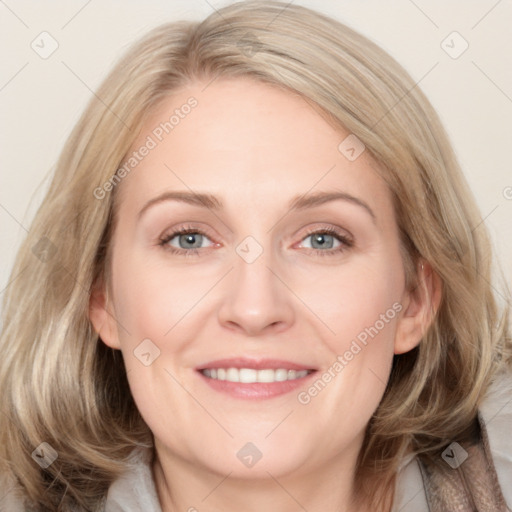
point(62, 385)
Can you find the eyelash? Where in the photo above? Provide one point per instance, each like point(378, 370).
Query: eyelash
point(346, 242)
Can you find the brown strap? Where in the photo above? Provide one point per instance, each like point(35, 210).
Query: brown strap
point(464, 478)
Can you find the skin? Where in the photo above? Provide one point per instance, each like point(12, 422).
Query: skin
point(255, 147)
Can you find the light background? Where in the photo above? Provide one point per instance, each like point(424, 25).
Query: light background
point(41, 99)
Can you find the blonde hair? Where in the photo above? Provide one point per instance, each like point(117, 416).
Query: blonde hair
point(61, 385)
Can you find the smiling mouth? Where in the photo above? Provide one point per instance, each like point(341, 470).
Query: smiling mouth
point(251, 378)
point(251, 375)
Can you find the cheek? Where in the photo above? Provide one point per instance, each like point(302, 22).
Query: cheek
point(361, 309)
point(361, 305)
point(357, 297)
point(150, 302)
point(151, 299)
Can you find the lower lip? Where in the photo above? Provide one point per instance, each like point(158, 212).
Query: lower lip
point(255, 390)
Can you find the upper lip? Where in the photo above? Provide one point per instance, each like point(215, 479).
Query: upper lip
point(256, 364)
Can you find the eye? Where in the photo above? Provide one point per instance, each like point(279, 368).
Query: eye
point(322, 241)
point(185, 240)
point(328, 241)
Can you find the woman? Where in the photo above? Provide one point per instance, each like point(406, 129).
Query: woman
point(256, 283)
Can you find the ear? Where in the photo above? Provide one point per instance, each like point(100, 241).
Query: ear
point(419, 308)
point(102, 319)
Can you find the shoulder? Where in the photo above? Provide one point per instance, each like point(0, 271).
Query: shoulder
point(410, 493)
point(135, 489)
point(132, 492)
point(495, 414)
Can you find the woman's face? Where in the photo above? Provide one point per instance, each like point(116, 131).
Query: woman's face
point(288, 282)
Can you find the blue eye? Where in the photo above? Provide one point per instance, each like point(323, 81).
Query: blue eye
point(322, 240)
point(188, 240)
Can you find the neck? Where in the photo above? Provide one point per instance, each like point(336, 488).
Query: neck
point(182, 486)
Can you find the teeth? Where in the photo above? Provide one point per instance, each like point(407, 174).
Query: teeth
point(281, 375)
point(250, 375)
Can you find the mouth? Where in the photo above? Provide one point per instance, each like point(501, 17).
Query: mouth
point(254, 379)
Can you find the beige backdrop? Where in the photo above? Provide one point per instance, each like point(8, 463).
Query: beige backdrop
point(55, 53)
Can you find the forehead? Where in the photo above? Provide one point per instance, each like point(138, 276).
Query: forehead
point(247, 140)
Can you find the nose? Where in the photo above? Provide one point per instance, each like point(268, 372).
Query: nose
point(256, 300)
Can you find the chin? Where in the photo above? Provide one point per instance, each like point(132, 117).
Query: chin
point(255, 460)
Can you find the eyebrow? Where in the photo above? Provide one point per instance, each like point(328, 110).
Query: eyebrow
point(318, 198)
point(297, 203)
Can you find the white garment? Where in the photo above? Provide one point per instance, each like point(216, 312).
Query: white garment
point(135, 491)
